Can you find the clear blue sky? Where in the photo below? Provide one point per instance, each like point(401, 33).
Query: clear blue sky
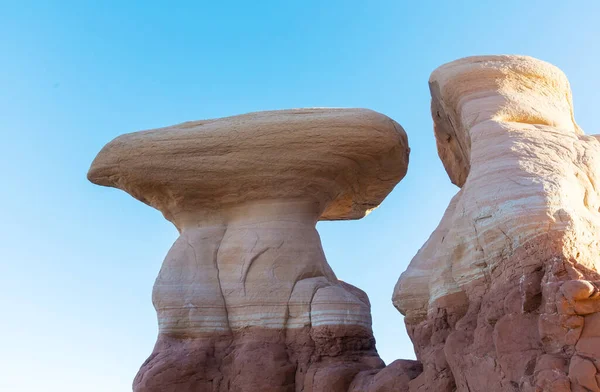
point(77, 261)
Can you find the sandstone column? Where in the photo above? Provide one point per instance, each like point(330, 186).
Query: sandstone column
point(245, 298)
point(499, 298)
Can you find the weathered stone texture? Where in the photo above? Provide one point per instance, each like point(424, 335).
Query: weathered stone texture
point(246, 300)
point(502, 296)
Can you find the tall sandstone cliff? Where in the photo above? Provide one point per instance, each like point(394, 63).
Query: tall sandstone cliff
point(504, 296)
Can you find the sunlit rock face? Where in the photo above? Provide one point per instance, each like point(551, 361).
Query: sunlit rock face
point(504, 294)
point(246, 300)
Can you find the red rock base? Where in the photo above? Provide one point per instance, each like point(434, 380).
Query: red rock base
point(321, 359)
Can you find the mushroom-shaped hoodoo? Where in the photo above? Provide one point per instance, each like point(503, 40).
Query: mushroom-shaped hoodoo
point(245, 290)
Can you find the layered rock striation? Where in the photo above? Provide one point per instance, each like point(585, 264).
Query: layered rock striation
point(505, 293)
point(245, 299)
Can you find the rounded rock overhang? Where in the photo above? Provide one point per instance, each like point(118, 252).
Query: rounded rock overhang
point(347, 159)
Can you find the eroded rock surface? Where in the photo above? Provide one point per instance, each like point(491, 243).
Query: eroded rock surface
point(245, 298)
point(504, 294)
